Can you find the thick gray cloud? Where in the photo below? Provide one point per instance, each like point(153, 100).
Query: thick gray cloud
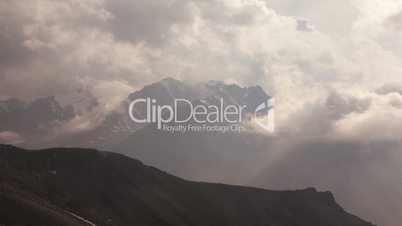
point(303, 25)
point(139, 42)
point(395, 21)
point(147, 21)
point(332, 17)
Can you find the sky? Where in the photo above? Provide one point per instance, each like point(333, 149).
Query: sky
point(310, 49)
point(334, 67)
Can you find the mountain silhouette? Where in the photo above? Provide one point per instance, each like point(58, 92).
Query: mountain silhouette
point(74, 186)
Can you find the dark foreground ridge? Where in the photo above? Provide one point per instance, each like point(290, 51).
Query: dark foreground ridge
point(73, 186)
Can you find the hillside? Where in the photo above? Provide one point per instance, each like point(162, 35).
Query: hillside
point(72, 186)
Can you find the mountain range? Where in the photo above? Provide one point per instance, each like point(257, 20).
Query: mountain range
point(33, 120)
point(36, 122)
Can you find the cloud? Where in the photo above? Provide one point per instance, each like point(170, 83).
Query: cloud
point(304, 25)
point(321, 13)
point(55, 43)
point(10, 137)
point(147, 21)
point(395, 21)
point(47, 45)
point(94, 100)
point(379, 122)
point(120, 40)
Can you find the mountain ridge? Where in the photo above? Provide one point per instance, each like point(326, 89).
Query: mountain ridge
point(45, 117)
point(107, 188)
